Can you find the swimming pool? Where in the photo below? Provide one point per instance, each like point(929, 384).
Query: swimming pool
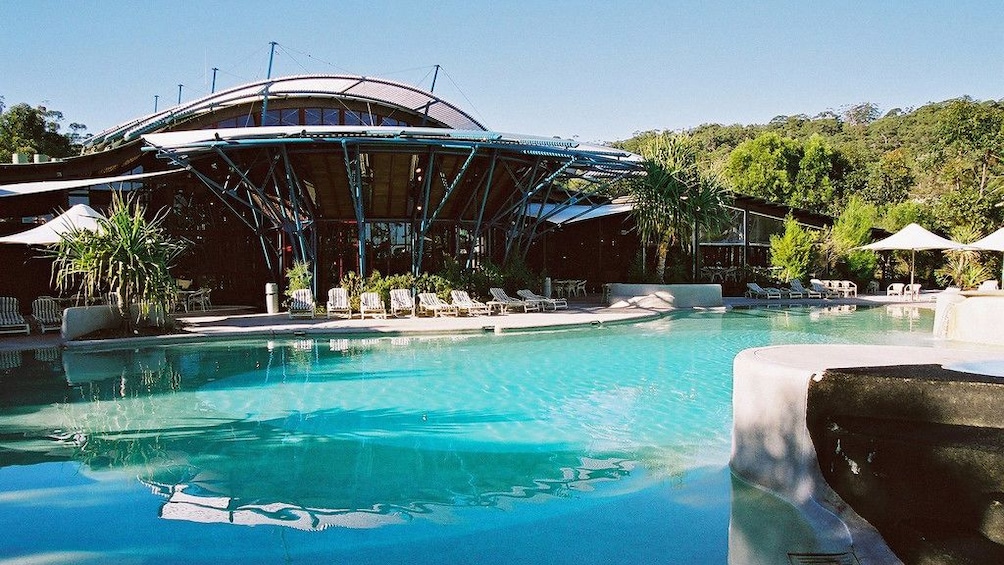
point(598, 445)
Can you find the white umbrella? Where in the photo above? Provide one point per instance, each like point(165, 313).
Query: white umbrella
point(914, 238)
point(79, 216)
point(992, 242)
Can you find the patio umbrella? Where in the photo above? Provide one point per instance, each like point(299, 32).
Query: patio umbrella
point(79, 216)
point(913, 238)
point(992, 242)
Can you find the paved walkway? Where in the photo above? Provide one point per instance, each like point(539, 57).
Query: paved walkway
point(234, 322)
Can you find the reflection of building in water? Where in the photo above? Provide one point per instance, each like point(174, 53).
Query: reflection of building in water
point(350, 500)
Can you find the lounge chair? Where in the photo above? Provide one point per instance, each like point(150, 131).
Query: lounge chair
point(806, 292)
point(301, 303)
point(988, 285)
point(912, 290)
point(371, 303)
point(826, 292)
point(505, 302)
point(846, 288)
point(554, 303)
point(199, 299)
point(48, 313)
point(338, 302)
point(11, 320)
point(431, 303)
point(895, 289)
point(464, 303)
point(401, 301)
point(754, 290)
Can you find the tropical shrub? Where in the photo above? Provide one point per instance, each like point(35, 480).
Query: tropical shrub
point(127, 255)
point(792, 253)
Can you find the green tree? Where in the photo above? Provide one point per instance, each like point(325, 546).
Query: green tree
point(891, 178)
point(35, 130)
point(128, 255)
point(813, 189)
point(674, 200)
point(792, 252)
point(765, 167)
point(851, 230)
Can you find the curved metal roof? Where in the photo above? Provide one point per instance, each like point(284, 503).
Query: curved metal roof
point(348, 87)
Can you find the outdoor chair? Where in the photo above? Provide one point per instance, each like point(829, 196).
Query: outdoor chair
point(988, 285)
point(912, 290)
point(301, 304)
point(505, 302)
point(806, 292)
point(11, 320)
point(199, 299)
point(554, 303)
point(847, 288)
point(464, 303)
point(754, 290)
point(826, 292)
point(48, 313)
point(895, 289)
point(430, 303)
point(791, 292)
point(371, 303)
point(401, 301)
point(338, 302)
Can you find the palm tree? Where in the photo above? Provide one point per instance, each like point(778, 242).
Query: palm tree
point(127, 254)
point(675, 201)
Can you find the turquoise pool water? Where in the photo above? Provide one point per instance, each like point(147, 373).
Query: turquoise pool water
point(602, 445)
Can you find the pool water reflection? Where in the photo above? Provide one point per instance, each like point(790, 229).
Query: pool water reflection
point(587, 446)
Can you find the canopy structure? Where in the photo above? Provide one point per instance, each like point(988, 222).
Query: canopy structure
point(566, 214)
point(992, 242)
point(23, 188)
point(80, 216)
point(913, 238)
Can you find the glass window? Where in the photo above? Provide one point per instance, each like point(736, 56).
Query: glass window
point(246, 121)
point(289, 117)
point(332, 117)
point(353, 118)
point(271, 118)
point(312, 116)
point(231, 123)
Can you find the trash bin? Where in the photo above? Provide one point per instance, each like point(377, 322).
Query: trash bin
point(547, 287)
point(272, 298)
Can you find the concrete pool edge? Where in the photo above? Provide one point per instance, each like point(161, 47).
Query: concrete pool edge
point(771, 445)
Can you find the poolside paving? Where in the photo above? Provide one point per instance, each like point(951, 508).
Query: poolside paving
point(236, 321)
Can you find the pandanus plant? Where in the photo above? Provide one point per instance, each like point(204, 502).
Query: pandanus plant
point(128, 255)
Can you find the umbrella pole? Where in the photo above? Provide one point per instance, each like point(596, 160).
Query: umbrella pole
point(913, 265)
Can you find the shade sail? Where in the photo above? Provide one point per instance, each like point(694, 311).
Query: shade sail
point(912, 238)
point(992, 242)
point(564, 214)
point(80, 216)
point(22, 188)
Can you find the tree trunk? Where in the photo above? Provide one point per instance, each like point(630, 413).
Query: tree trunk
point(662, 250)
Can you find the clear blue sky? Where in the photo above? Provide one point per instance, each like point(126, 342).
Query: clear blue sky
point(598, 70)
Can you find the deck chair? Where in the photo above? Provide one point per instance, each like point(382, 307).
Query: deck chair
point(301, 304)
point(338, 302)
point(464, 303)
point(791, 292)
point(988, 285)
point(371, 303)
point(754, 290)
point(912, 290)
point(430, 303)
point(11, 320)
point(506, 302)
point(827, 292)
point(48, 313)
point(895, 289)
point(553, 303)
point(847, 288)
point(401, 301)
point(806, 292)
point(199, 299)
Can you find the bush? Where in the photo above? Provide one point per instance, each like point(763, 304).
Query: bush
point(792, 252)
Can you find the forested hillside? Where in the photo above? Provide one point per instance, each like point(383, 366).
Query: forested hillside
point(940, 164)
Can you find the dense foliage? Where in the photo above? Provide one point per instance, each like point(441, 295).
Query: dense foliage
point(27, 129)
point(128, 256)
